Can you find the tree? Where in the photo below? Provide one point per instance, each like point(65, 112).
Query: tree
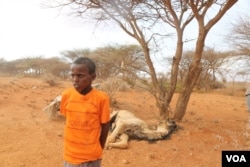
point(239, 36)
point(211, 61)
point(56, 67)
point(30, 66)
point(141, 20)
point(239, 39)
point(125, 61)
point(70, 55)
point(7, 67)
point(199, 10)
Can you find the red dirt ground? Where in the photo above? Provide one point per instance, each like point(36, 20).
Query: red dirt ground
point(28, 138)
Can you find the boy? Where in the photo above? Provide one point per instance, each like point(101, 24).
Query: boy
point(87, 112)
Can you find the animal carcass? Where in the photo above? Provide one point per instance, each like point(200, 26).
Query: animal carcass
point(125, 125)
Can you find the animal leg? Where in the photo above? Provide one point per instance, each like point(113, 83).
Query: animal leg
point(118, 130)
point(123, 143)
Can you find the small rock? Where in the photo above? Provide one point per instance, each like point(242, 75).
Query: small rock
point(125, 161)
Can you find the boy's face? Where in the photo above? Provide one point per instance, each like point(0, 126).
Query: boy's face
point(80, 76)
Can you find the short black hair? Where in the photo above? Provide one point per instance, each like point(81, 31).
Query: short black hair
point(86, 61)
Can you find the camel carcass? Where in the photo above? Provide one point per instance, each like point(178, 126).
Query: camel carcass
point(125, 125)
point(53, 108)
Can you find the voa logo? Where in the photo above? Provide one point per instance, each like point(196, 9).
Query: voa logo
point(236, 158)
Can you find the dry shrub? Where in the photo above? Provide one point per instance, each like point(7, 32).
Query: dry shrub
point(51, 80)
point(217, 85)
point(113, 85)
point(233, 89)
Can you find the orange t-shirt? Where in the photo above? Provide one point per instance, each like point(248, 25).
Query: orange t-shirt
point(84, 115)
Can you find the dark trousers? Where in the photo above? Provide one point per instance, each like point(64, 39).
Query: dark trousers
point(96, 163)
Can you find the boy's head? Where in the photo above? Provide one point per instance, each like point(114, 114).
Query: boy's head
point(83, 73)
point(86, 61)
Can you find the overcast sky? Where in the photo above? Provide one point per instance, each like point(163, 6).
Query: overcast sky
point(27, 29)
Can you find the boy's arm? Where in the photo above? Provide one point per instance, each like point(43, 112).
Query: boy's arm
point(104, 133)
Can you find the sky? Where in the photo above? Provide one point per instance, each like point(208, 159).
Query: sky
point(27, 29)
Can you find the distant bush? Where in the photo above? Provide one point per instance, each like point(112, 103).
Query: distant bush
point(217, 85)
point(113, 85)
point(51, 80)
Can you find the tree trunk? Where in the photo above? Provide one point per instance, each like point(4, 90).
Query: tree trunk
point(191, 76)
point(184, 97)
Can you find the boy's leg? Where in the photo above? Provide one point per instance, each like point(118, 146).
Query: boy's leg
point(96, 163)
